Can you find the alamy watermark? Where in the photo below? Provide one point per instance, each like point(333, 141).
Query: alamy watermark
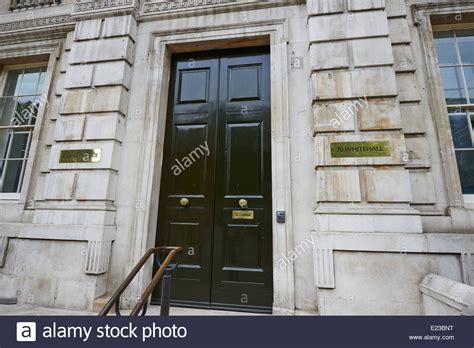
point(298, 250)
point(190, 159)
point(23, 117)
point(349, 112)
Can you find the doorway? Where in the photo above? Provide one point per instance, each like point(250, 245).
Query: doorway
point(216, 187)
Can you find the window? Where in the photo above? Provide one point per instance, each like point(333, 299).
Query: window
point(21, 99)
point(456, 59)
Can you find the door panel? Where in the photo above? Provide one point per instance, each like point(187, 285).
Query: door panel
point(242, 153)
point(194, 85)
point(189, 173)
point(242, 263)
point(222, 101)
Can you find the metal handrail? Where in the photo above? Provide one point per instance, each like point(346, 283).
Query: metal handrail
point(143, 302)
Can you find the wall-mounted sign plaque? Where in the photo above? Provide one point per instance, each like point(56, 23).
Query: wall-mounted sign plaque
point(242, 215)
point(361, 149)
point(80, 156)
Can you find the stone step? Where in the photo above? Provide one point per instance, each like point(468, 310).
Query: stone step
point(100, 302)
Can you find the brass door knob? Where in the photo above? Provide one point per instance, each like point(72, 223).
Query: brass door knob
point(243, 203)
point(184, 202)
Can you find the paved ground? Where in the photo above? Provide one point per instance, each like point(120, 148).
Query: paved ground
point(34, 310)
point(25, 309)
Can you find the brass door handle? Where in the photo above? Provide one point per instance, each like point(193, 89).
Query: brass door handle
point(243, 203)
point(184, 202)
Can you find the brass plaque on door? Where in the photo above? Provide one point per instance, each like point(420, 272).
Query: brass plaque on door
point(242, 215)
point(80, 156)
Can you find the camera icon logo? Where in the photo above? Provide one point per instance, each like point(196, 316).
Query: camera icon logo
point(26, 332)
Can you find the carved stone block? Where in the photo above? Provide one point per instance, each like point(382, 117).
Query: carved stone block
point(98, 256)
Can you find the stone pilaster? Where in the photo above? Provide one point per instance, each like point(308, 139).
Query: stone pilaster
point(361, 92)
point(91, 116)
point(356, 97)
point(413, 118)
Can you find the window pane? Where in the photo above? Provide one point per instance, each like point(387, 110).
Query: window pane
point(19, 145)
point(26, 108)
point(446, 49)
point(30, 80)
point(11, 176)
point(41, 82)
point(4, 139)
point(460, 131)
point(453, 86)
point(7, 106)
point(466, 170)
point(469, 75)
point(466, 46)
point(39, 103)
point(13, 83)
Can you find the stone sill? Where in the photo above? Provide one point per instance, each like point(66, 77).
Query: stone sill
point(469, 201)
point(9, 197)
point(57, 232)
point(431, 243)
point(448, 293)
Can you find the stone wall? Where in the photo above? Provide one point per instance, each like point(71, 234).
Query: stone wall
point(354, 71)
point(369, 84)
point(357, 96)
point(49, 273)
point(370, 283)
point(94, 105)
point(74, 202)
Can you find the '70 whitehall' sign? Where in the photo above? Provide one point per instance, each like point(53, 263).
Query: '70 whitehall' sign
point(361, 149)
point(80, 156)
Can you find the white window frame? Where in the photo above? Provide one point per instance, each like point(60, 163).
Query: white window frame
point(29, 51)
point(4, 78)
point(439, 108)
point(468, 198)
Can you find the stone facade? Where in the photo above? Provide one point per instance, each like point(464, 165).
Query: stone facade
point(342, 71)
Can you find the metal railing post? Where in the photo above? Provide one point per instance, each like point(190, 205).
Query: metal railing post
point(165, 295)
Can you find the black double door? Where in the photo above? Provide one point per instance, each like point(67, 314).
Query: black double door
point(215, 198)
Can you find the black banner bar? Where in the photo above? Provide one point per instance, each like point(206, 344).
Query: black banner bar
point(299, 331)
